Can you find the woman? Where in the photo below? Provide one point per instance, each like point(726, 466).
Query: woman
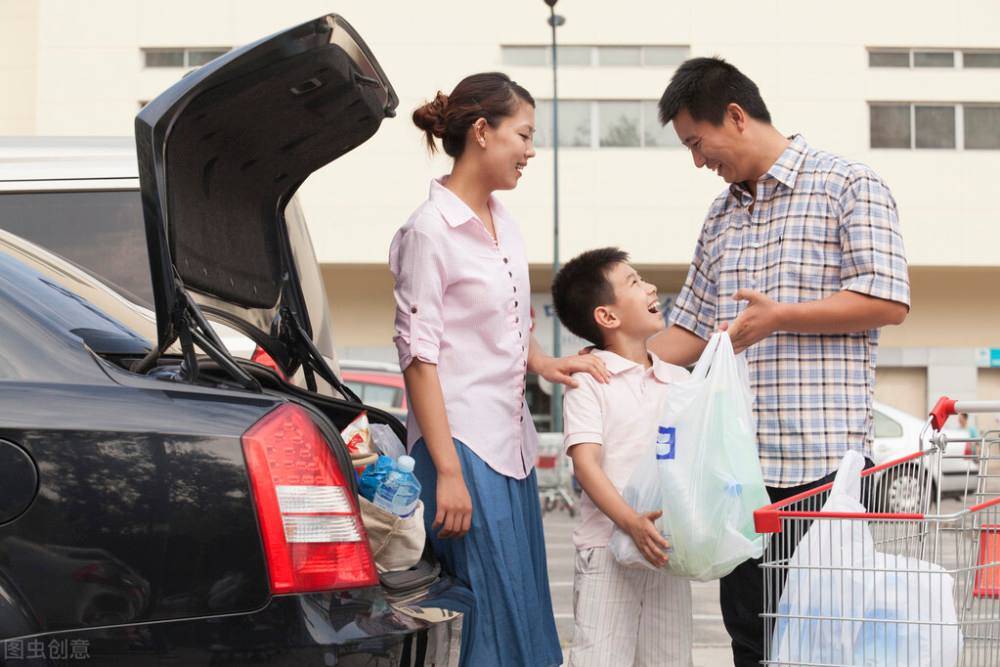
point(463, 333)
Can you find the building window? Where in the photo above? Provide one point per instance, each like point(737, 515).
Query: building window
point(619, 124)
point(179, 57)
point(935, 125)
point(933, 58)
point(618, 56)
point(982, 126)
point(944, 58)
point(525, 55)
point(603, 124)
point(889, 59)
point(890, 125)
point(595, 56)
point(980, 59)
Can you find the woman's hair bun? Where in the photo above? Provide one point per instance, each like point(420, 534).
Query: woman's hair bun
point(430, 118)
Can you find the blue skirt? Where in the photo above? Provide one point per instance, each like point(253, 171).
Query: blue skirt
point(502, 560)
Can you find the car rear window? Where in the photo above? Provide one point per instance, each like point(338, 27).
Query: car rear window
point(99, 230)
point(67, 311)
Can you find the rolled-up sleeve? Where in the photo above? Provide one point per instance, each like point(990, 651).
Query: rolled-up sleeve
point(418, 267)
point(873, 261)
point(583, 415)
point(695, 306)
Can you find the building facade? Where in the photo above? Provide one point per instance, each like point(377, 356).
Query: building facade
point(910, 88)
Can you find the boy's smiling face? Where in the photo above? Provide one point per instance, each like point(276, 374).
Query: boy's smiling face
point(636, 310)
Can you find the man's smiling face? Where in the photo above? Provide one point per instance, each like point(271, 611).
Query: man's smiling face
point(721, 148)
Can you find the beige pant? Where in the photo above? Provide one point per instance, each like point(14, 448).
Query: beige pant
point(628, 616)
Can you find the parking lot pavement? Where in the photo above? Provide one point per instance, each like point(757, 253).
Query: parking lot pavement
point(711, 643)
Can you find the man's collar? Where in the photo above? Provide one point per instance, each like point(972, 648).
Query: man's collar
point(785, 169)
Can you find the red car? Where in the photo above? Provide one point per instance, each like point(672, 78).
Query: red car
point(377, 384)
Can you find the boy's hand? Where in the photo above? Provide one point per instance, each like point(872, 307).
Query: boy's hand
point(647, 538)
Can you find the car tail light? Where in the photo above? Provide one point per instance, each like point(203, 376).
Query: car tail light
point(264, 359)
point(313, 536)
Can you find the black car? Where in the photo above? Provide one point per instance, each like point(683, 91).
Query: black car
point(162, 501)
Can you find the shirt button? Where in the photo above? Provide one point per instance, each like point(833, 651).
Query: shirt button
point(515, 304)
point(520, 335)
point(504, 260)
point(515, 289)
point(413, 309)
point(517, 320)
point(510, 274)
point(755, 245)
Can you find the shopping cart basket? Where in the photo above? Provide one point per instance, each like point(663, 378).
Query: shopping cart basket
point(555, 475)
point(889, 588)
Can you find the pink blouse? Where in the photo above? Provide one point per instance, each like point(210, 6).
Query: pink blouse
point(463, 303)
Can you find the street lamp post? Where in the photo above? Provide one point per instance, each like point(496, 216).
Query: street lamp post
point(555, 21)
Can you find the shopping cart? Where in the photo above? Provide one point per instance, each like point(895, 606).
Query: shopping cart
point(555, 475)
point(890, 588)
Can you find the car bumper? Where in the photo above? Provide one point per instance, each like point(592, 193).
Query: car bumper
point(360, 627)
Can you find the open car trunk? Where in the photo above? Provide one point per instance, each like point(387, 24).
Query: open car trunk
point(220, 155)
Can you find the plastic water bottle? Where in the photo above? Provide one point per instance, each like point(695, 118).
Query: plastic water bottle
point(373, 475)
point(399, 491)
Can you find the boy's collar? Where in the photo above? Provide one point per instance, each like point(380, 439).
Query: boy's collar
point(616, 364)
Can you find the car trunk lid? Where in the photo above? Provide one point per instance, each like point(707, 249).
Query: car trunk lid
point(220, 155)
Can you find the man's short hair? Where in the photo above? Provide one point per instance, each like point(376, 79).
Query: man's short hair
point(581, 286)
point(705, 87)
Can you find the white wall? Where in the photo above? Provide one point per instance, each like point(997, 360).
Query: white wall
point(808, 59)
point(18, 66)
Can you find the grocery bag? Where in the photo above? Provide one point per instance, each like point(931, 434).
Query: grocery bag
point(845, 603)
point(702, 470)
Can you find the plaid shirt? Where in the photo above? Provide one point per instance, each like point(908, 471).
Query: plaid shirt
point(820, 225)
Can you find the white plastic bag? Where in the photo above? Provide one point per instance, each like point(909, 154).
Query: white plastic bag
point(702, 470)
point(836, 575)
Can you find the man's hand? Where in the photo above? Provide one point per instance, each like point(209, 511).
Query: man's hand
point(760, 319)
point(647, 538)
point(559, 370)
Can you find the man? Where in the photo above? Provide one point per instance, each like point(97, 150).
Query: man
point(802, 260)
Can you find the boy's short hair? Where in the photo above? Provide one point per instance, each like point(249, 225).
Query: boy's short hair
point(705, 87)
point(581, 286)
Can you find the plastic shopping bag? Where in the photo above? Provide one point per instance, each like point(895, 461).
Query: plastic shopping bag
point(845, 603)
point(702, 471)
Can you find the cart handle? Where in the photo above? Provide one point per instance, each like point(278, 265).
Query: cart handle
point(946, 407)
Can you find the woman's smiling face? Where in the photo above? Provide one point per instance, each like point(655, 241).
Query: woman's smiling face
point(508, 146)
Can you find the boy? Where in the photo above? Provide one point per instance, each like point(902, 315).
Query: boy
point(623, 616)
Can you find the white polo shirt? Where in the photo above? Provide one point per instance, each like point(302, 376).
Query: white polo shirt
point(621, 416)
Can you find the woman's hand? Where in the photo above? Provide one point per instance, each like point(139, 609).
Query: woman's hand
point(454, 506)
point(559, 370)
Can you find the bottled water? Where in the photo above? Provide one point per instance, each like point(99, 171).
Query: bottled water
point(399, 491)
point(373, 475)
